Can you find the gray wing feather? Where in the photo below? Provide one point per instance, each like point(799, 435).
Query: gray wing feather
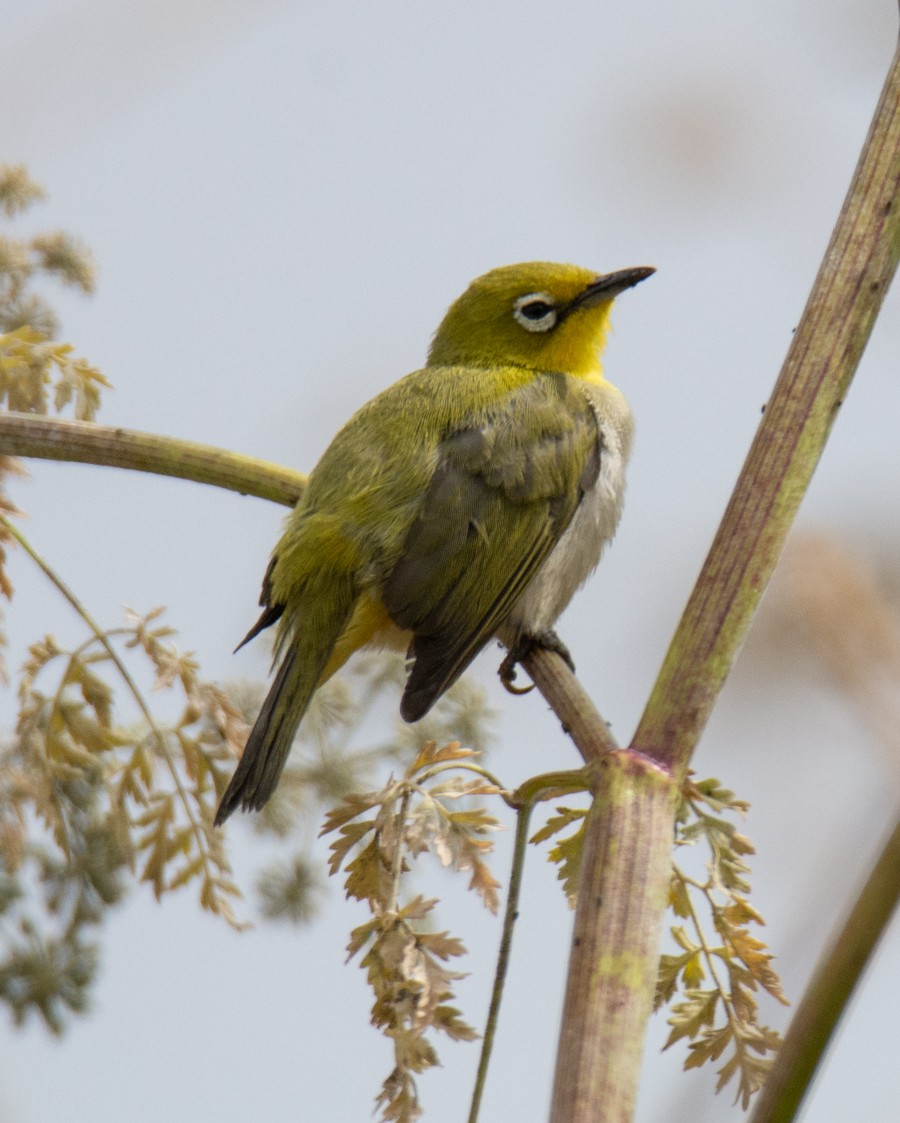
point(504, 492)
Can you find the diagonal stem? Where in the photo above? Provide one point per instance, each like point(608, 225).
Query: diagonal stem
point(832, 986)
point(854, 277)
point(622, 896)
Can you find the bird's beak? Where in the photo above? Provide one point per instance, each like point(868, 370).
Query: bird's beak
point(609, 286)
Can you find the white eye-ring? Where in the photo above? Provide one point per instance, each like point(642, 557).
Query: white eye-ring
point(535, 312)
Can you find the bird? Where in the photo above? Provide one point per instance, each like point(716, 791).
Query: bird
point(468, 501)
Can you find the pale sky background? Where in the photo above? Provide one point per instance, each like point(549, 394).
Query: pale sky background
point(283, 198)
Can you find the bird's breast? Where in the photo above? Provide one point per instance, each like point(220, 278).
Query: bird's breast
point(578, 551)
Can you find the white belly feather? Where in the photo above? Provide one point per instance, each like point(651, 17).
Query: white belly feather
point(577, 553)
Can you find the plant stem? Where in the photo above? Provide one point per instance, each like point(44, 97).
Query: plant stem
point(614, 956)
point(510, 916)
point(397, 867)
point(571, 703)
point(853, 279)
point(832, 985)
point(628, 835)
point(83, 442)
point(548, 785)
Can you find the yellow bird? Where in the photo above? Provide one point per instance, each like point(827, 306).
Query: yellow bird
point(467, 501)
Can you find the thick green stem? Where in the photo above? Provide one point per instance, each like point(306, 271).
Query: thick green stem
point(628, 836)
point(826, 997)
point(854, 277)
point(614, 955)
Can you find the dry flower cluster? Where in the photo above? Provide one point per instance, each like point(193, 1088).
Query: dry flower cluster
point(405, 961)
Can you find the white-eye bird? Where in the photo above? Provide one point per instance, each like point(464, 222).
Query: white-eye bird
point(467, 501)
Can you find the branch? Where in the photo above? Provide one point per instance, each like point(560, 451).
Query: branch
point(614, 959)
point(832, 986)
point(622, 896)
point(570, 702)
point(83, 442)
point(854, 277)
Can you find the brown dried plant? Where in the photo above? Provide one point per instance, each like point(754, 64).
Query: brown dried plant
point(85, 796)
point(405, 961)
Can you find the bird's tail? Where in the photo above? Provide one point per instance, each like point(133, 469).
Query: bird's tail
point(325, 612)
point(271, 738)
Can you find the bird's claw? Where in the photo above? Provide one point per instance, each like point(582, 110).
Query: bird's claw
point(548, 640)
point(507, 672)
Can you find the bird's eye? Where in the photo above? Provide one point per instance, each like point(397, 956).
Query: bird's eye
point(535, 312)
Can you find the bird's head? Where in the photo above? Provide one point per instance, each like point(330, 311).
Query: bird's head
point(538, 315)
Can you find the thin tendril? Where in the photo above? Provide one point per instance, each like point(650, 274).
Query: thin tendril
point(103, 639)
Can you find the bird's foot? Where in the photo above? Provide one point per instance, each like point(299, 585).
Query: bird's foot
point(548, 640)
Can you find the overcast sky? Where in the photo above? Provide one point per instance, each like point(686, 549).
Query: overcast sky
point(283, 198)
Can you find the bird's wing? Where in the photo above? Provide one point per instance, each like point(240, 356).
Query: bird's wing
point(271, 611)
point(504, 492)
